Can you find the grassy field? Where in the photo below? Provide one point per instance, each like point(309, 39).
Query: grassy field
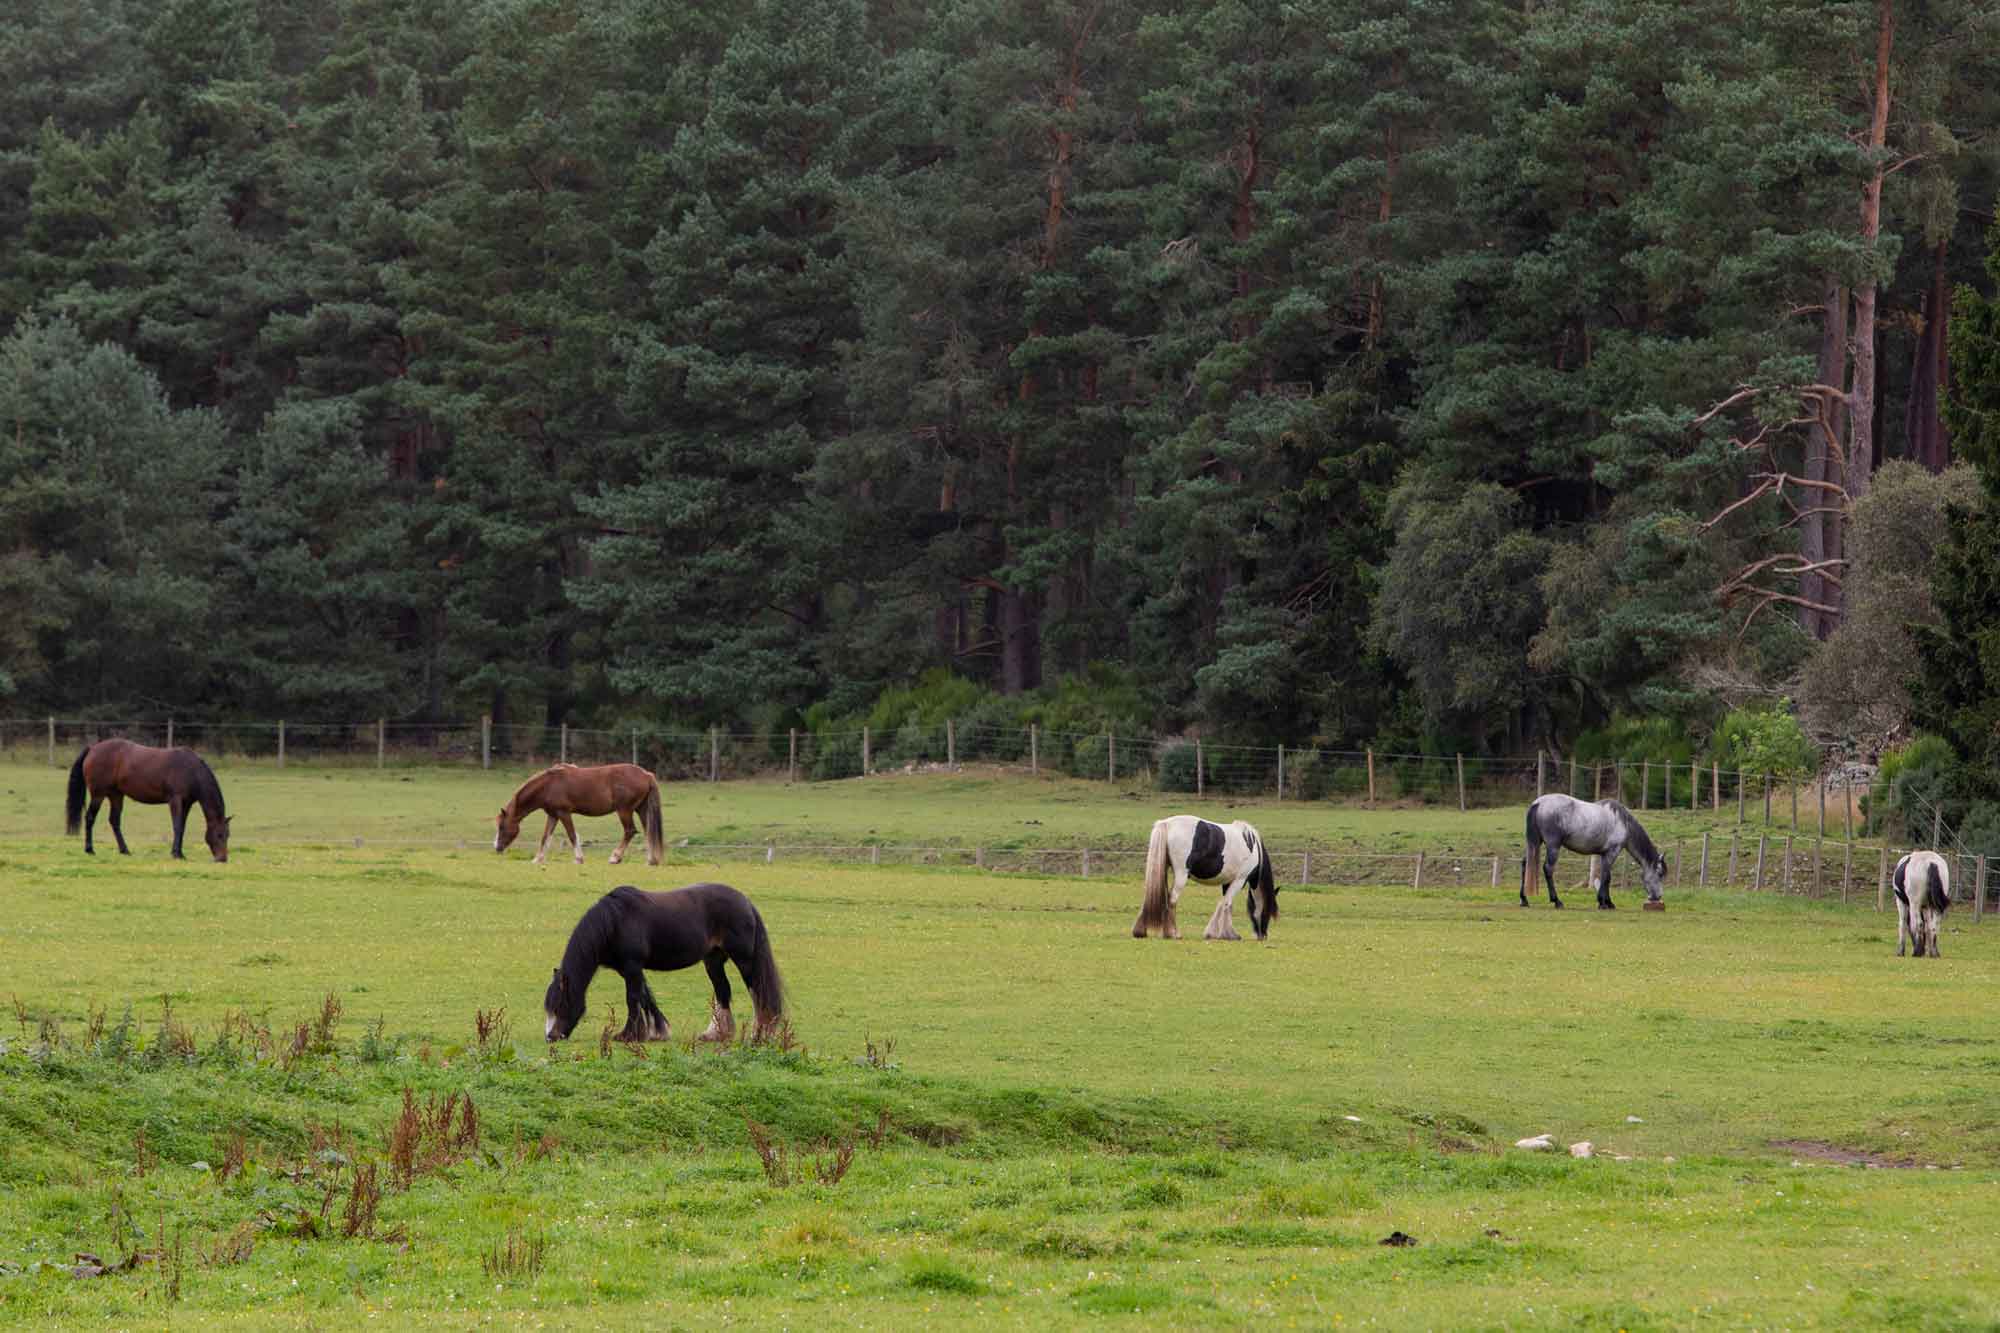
point(1050, 1122)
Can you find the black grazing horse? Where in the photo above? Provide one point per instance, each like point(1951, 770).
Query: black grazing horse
point(631, 931)
point(176, 778)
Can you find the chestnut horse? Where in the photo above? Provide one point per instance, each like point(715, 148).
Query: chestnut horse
point(566, 790)
point(176, 778)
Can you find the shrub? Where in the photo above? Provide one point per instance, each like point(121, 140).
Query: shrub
point(1911, 780)
point(1761, 740)
point(1176, 760)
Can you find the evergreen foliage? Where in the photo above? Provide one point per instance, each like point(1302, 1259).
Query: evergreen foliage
point(1314, 372)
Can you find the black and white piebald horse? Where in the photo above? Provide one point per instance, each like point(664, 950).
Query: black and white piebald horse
point(1184, 847)
point(1604, 828)
point(1923, 894)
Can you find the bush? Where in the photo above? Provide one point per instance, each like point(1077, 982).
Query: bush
point(1910, 781)
point(1765, 740)
point(1648, 746)
point(1177, 766)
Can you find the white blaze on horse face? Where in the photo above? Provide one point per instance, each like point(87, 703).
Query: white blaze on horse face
point(548, 1026)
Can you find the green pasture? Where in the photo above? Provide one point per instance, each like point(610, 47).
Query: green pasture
point(1079, 1126)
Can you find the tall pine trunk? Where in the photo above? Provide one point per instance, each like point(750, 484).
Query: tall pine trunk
point(1820, 531)
point(1921, 420)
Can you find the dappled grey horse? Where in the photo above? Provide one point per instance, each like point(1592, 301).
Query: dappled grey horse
point(1604, 828)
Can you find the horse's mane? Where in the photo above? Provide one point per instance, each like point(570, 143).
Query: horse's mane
point(206, 789)
point(1635, 835)
point(540, 777)
point(587, 943)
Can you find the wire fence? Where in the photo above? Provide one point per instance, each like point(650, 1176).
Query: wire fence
point(1193, 766)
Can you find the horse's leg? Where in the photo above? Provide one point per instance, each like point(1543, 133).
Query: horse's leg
point(1549, 872)
point(116, 816)
point(1903, 931)
point(1173, 930)
point(1604, 865)
point(90, 818)
point(1222, 922)
point(721, 1023)
point(548, 831)
point(643, 1019)
point(575, 843)
point(177, 811)
point(1931, 925)
point(625, 818)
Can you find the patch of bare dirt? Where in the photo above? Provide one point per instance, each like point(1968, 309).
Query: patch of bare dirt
point(1814, 1150)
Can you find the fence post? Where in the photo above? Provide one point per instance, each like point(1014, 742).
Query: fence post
point(1680, 853)
point(1371, 762)
point(1034, 758)
point(635, 747)
point(1086, 863)
point(1496, 871)
point(1937, 822)
point(1819, 850)
point(1882, 878)
point(1979, 890)
point(1461, 784)
point(1572, 773)
point(1306, 867)
point(1645, 781)
point(281, 742)
point(1822, 805)
point(1618, 779)
point(381, 741)
point(562, 742)
point(486, 740)
point(170, 733)
point(1739, 796)
point(950, 744)
point(52, 742)
point(1729, 880)
point(1694, 786)
point(792, 756)
point(1418, 882)
point(1715, 787)
point(864, 751)
point(1757, 875)
point(1281, 772)
point(1540, 756)
point(1110, 757)
point(715, 753)
point(1794, 784)
point(1767, 799)
point(1597, 782)
point(1703, 883)
point(1198, 766)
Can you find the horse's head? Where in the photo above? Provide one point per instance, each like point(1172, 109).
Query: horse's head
point(1653, 872)
point(506, 827)
point(218, 838)
point(562, 1007)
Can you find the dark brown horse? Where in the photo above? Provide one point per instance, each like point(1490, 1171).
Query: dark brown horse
point(631, 931)
point(176, 778)
point(566, 790)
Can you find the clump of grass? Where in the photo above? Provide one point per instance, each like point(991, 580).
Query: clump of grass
point(375, 1049)
point(233, 1153)
point(230, 1248)
point(428, 1138)
point(144, 1159)
point(785, 1167)
point(928, 1272)
point(174, 1039)
point(516, 1257)
point(493, 1028)
point(324, 1022)
point(878, 1057)
point(364, 1196)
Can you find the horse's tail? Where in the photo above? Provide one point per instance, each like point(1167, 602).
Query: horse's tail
point(1534, 847)
point(1267, 880)
point(1937, 897)
point(656, 835)
point(73, 807)
point(1153, 908)
point(767, 987)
